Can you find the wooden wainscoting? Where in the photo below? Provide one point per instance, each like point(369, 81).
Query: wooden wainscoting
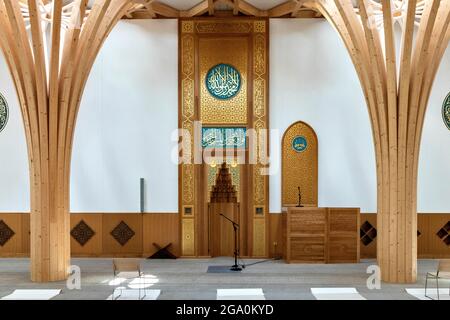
point(430, 244)
point(131, 223)
point(321, 235)
point(433, 235)
point(163, 228)
point(94, 246)
point(92, 234)
point(277, 238)
point(343, 245)
point(14, 235)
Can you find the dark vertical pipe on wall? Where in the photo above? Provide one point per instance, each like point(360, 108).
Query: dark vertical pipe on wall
point(142, 193)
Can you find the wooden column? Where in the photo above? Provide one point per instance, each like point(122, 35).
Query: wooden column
point(49, 92)
point(397, 105)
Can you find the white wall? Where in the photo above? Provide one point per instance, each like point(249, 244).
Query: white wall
point(127, 115)
point(312, 79)
point(14, 178)
point(130, 108)
point(434, 162)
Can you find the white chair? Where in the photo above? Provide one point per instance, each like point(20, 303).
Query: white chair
point(127, 265)
point(443, 272)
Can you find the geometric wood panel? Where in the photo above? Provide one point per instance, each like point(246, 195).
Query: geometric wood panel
point(122, 233)
point(299, 165)
point(125, 227)
point(444, 233)
point(368, 244)
point(6, 233)
point(435, 244)
point(14, 244)
point(93, 247)
point(82, 233)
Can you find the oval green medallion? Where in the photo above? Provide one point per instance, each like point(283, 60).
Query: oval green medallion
point(4, 112)
point(446, 111)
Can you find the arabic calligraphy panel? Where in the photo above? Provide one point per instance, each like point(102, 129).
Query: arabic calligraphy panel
point(219, 138)
point(227, 103)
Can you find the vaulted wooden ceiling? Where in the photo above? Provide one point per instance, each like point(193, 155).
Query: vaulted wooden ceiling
point(151, 9)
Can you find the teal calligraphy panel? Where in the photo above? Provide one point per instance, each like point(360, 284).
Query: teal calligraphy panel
point(224, 137)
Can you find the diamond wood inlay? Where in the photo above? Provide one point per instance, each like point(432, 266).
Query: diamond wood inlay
point(122, 233)
point(444, 233)
point(367, 233)
point(6, 233)
point(82, 233)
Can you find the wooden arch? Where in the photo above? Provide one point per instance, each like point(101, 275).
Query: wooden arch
point(397, 105)
point(49, 92)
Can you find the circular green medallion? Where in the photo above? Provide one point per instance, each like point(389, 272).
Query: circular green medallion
point(4, 112)
point(299, 143)
point(223, 81)
point(446, 111)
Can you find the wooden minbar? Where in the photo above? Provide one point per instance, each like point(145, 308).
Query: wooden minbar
point(321, 235)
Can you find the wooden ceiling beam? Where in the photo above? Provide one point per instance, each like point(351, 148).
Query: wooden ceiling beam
point(142, 7)
point(197, 10)
point(297, 7)
point(249, 9)
point(165, 10)
point(148, 9)
point(307, 14)
point(211, 7)
point(235, 7)
point(283, 9)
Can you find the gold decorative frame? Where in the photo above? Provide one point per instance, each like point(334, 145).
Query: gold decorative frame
point(190, 31)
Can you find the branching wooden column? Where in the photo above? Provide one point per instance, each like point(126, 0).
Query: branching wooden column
point(397, 105)
point(49, 91)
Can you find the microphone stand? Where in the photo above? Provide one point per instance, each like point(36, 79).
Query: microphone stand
point(235, 267)
point(299, 198)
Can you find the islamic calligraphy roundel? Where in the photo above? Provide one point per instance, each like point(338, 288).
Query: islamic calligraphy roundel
point(299, 144)
point(223, 81)
point(446, 111)
point(3, 112)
